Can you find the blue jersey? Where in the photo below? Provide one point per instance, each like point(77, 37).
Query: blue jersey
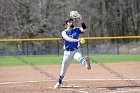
point(72, 33)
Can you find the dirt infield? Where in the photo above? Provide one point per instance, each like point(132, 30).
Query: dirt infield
point(107, 78)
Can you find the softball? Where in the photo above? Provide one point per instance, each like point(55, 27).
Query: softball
point(82, 41)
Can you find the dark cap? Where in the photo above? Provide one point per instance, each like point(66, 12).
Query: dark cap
point(66, 21)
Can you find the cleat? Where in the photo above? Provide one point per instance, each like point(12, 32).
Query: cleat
point(57, 86)
point(59, 82)
point(88, 63)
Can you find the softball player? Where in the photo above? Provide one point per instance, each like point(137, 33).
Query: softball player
point(71, 48)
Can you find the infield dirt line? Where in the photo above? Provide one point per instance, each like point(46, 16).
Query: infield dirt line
point(35, 81)
point(77, 91)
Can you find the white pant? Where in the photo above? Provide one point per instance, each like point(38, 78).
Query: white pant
point(68, 56)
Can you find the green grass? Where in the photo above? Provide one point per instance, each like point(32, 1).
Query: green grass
point(36, 60)
point(54, 59)
point(117, 58)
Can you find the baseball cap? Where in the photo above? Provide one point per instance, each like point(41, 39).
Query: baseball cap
point(66, 21)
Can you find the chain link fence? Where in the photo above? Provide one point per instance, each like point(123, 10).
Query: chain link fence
point(55, 47)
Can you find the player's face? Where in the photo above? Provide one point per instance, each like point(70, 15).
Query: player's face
point(70, 23)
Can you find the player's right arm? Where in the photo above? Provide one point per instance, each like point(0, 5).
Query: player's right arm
point(69, 39)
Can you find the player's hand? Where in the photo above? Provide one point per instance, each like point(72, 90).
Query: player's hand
point(82, 41)
point(81, 20)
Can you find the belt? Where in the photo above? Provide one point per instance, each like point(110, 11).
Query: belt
point(68, 49)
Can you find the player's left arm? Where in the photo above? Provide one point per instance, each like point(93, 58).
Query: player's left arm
point(84, 27)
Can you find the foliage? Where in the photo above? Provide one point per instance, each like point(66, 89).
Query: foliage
point(44, 18)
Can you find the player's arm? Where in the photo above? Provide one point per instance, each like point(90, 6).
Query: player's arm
point(83, 25)
point(65, 36)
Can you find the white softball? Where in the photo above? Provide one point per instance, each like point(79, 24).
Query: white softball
point(82, 41)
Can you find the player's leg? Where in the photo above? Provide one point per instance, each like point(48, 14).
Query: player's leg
point(83, 60)
point(68, 56)
point(65, 64)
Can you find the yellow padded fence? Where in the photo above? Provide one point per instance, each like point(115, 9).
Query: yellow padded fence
point(49, 39)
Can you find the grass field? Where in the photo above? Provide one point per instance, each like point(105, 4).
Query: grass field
point(54, 59)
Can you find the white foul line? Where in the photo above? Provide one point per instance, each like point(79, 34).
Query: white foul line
point(19, 82)
point(35, 81)
point(103, 79)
